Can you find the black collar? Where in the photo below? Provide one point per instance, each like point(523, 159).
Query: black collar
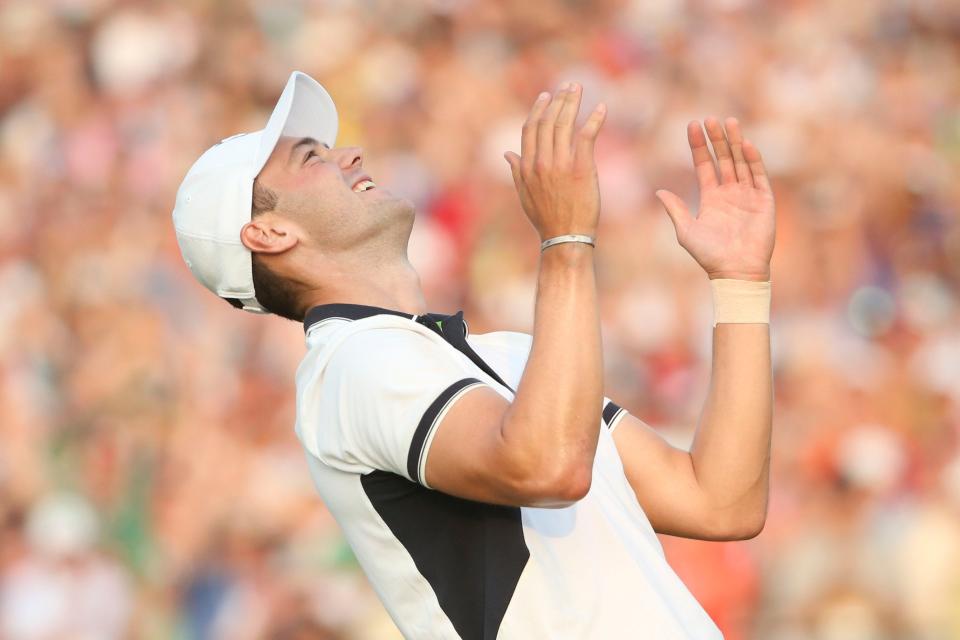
point(350, 311)
point(347, 311)
point(452, 328)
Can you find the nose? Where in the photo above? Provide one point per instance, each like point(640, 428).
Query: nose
point(349, 157)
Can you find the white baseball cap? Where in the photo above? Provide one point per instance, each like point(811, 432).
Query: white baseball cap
point(215, 199)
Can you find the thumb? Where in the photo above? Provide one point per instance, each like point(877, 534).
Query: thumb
point(676, 209)
point(587, 138)
point(514, 161)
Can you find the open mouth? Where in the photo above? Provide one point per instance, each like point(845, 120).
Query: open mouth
point(363, 185)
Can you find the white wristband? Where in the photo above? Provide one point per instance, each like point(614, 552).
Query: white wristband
point(549, 242)
point(740, 301)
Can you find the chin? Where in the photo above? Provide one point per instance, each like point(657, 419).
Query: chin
point(397, 205)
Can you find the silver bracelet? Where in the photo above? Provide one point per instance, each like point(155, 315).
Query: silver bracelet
point(549, 242)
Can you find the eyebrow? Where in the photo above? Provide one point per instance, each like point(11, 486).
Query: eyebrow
point(302, 142)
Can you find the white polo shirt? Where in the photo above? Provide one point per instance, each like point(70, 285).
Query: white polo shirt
point(371, 391)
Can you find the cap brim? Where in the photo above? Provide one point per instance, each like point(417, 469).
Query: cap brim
point(304, 110)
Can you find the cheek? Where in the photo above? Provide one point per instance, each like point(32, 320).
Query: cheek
point(327, 208)
point(320, 191)
point(318, 176)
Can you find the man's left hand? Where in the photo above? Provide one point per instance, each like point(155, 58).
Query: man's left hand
point(733, 233)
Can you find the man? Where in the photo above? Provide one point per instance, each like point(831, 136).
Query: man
point(484, 482)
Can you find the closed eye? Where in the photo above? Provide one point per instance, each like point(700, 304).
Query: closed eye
point(310, 152)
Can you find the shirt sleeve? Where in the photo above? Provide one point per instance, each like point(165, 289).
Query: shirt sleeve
point(384, 393)
point(612, 414)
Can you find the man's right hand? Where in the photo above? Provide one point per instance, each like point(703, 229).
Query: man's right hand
point(538, 449)
point(555, 173)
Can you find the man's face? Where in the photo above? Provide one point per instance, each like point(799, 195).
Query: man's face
point(327, 193)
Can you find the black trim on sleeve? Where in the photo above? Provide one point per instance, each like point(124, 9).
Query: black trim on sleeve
point(426, 425)
point(610, 413)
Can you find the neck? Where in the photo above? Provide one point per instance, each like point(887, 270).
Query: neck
point(391, 286)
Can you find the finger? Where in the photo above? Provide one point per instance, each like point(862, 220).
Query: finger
point(583, 161)
point(562, 150)
point(702, 160)
point(721, 149)
point(757, 169)
point(677, 210)
point(546, 129)
point(528, 139)
point(735, 139)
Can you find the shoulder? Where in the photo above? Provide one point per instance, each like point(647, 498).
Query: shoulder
point(381, 350)
point(506, 352)
point(503, 339)
point(504, 345)
point(369, 344)
point(400, 349)
point(373, 337)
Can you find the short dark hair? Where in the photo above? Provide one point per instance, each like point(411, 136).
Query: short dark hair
point(264, 199)
point(276, 294)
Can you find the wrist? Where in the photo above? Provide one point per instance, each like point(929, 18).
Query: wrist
point(566, 230)
point(567, 254)
point(740, 301)
point(567, 238)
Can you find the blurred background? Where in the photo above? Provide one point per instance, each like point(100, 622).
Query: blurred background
point(151, 485)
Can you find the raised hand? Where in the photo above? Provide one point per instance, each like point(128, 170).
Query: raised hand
point(555, 173)
point(733, 233)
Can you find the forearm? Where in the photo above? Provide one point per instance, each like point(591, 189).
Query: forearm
point(731, 447)
point(549, 432)
point(553, 422)
point(732, 239)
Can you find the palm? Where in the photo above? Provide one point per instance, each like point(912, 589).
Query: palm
point(733, 233)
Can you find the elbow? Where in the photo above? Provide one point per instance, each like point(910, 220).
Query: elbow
point(549, 478)
point(575, 484)
point(747, 530)
point(559, 487)
point(744, 527)
point(742, 519)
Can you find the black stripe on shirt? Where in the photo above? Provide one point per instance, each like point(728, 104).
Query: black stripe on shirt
point(611, 411)
point(427, 425)
point(471, 553)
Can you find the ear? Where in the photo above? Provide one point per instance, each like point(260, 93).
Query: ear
point(269, 234)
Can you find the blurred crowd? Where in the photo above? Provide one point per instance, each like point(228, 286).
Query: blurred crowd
point(151, 485)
